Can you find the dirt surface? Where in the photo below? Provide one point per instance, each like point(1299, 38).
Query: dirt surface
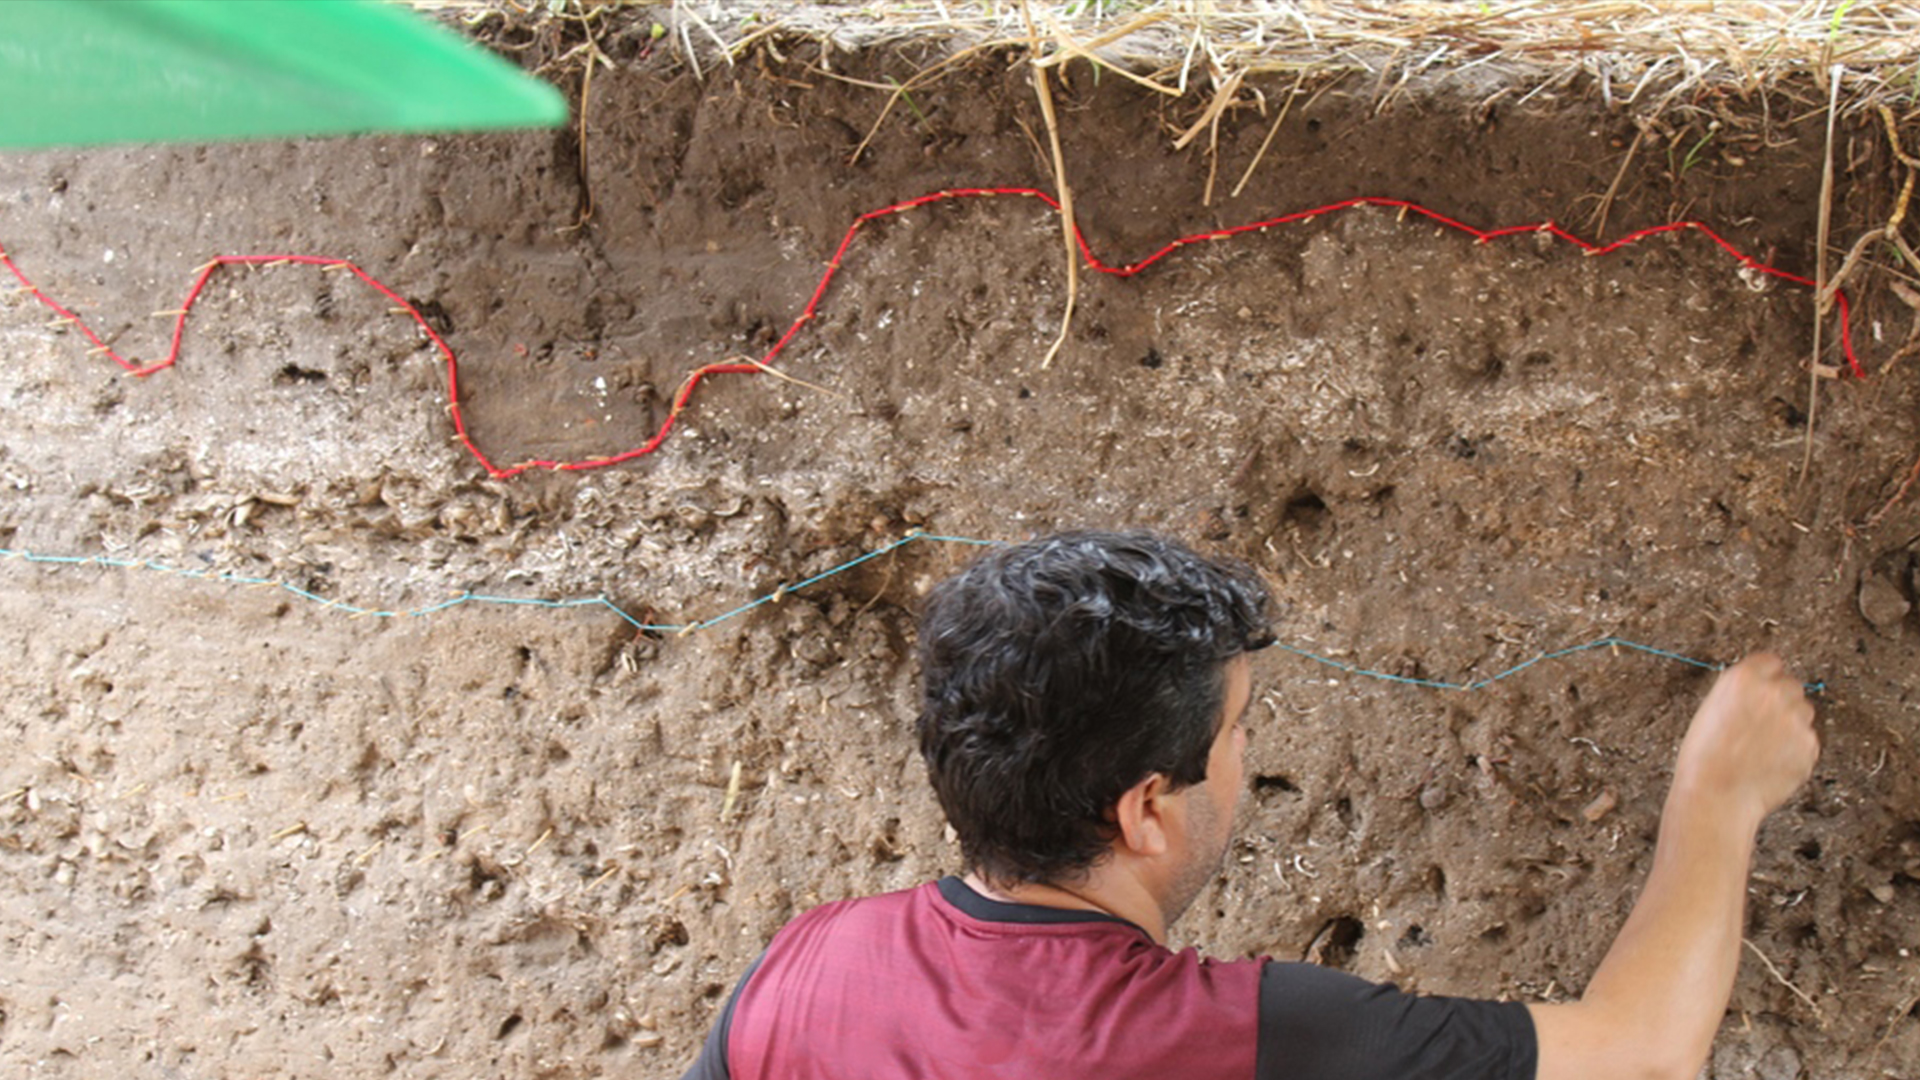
point(246, 834)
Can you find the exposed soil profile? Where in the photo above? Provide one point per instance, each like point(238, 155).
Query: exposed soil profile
point(246, 834)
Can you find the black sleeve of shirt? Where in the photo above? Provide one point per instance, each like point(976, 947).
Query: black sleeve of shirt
point(712, 1062)
point(1319, 1024)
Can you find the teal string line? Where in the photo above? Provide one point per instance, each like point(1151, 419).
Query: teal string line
point(441, 606)
point(780, 593)
point(1482, 684)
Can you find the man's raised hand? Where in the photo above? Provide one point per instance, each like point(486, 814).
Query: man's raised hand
point(1751, 743)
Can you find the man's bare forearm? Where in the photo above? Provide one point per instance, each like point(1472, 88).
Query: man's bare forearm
point(1668, 976)
point(1652, 1008)
point(1673, 964)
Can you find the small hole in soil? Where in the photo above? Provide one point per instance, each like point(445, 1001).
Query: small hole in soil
point(508, 1026)
point(1152, 361)
point(1339, 940)
point(1307, 508)
point(485, 879)
point(886, 846)
point(1494, 935)
point(1436, 881)
point(664, 930)
point(435, 314)
point(294, 373)
point(1416, 937)
point(1806, 935)
point(1809, 851)
point(1266, 782)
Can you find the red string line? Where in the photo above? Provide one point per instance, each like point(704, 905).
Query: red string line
point(685, 393)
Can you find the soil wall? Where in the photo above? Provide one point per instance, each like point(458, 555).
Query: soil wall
point(245, 833)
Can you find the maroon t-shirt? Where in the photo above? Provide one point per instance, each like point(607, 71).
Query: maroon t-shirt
point(940, 982)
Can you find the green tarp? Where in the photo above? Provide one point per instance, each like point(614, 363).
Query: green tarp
point(76, 72)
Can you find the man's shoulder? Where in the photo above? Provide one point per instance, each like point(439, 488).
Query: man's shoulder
point(902, 903)
point(870, 918)
point(942, 925)
point(956, 984)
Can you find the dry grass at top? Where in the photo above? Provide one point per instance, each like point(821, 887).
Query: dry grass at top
point(1180, 47)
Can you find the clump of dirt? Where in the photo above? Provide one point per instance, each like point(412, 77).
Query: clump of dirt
point(249, 833)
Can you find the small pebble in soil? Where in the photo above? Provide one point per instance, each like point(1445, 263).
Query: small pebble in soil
point(1882, 605)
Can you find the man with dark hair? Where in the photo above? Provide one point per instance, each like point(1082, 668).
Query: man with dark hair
point(1083, 705)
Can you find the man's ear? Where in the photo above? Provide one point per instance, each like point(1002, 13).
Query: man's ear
point(1141, 816)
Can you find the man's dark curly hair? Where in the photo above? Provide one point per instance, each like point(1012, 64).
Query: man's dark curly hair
point(1060, 672)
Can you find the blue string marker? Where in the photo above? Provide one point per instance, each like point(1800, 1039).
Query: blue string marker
point(682, 629)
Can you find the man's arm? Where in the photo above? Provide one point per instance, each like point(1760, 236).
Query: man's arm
point(1653, 1007)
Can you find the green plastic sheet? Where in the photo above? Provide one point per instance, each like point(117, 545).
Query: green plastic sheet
point(81, 72)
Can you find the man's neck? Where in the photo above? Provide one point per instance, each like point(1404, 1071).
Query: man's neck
point(1095, 894)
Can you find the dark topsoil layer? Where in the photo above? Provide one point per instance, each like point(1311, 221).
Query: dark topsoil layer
point(247, 835)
